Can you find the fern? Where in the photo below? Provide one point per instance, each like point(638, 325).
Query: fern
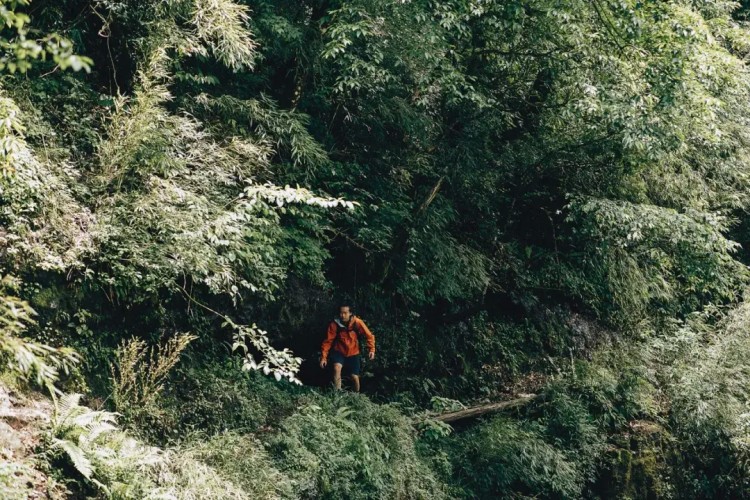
point(67, 405)
point(75, 428)
point(94, 445)
point(77, 457)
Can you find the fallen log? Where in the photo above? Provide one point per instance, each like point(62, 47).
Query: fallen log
point(477, 411)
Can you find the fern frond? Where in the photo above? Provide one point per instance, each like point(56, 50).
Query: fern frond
point(77, 457)
point(89, 419)
point(66, 408)
point(98, 429)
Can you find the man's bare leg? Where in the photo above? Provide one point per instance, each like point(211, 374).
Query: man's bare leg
point(355, 380)
point(337, 375)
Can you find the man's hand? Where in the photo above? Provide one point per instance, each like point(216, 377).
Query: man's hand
point(371, 356)
point(323, 363)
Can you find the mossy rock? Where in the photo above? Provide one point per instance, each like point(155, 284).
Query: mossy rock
point(638, 464)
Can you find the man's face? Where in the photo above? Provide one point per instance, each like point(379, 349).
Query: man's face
point(345, 314)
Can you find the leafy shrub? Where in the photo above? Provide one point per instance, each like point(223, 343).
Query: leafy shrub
point(707, 383)
point(24, 358)
point(184, 478)
point(220, 397)
point(228, 466)
point(139, 373)
point(572, 428)
point(614, 388)
point(640, 462)
point(505, 459)
point(103, 456)
point(560, 448)
point(107, 459)
point(473, 358)
point(241, 459)
point(650, 260)
point(348, 447)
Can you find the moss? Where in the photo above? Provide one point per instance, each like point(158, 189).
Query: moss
point(639, 463)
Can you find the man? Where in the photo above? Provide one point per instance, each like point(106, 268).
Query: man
point(343, 336)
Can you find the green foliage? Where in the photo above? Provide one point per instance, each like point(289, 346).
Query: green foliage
point(99, 452)
point(615, 389)
point(25, 358)
point(558, 447)
point(281, 363)
point(185, 190)
point(184, 477)
point(706, 382)
point(478, 176)
point(139, 373)
point(651, 258)
point(18, 51)
point(286, 129)
point(120, 467)
point(45, 226)
point(479, 356)
point(443, 268)
point(474, 133)
point(241, 459)
point(348, 447)
point(502, 459)
point(640, 463)
point(218, 398)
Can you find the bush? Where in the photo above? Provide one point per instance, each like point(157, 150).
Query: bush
point(184, 478)
point(241, 459)
point(348, 447)
point(559, 449)
point(217, 398)
point(640, 463)
point(614, 387)
point(104, 459)
point(139, 373)
point(570, 426)
point(478, 357)
point(708, 387)
point(505, 459)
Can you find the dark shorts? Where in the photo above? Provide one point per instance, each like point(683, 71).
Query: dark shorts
point(351, 363)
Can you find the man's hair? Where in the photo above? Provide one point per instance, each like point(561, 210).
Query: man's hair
point(345, 303)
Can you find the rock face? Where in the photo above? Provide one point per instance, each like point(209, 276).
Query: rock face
point(19, 411)
point(22, 422)
point(10, 440)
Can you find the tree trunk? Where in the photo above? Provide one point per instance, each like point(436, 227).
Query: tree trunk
point(477, 411)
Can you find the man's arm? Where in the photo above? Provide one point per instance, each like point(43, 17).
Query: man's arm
point(369, 337)
point(327, 343)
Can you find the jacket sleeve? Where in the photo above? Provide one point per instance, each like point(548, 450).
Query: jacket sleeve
point(368, 335)
point(330, 336)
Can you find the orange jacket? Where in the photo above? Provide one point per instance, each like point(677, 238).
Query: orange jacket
point(346, 342)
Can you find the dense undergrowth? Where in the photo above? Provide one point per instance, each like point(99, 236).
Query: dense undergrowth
point(600, 429)
point(517, 196)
